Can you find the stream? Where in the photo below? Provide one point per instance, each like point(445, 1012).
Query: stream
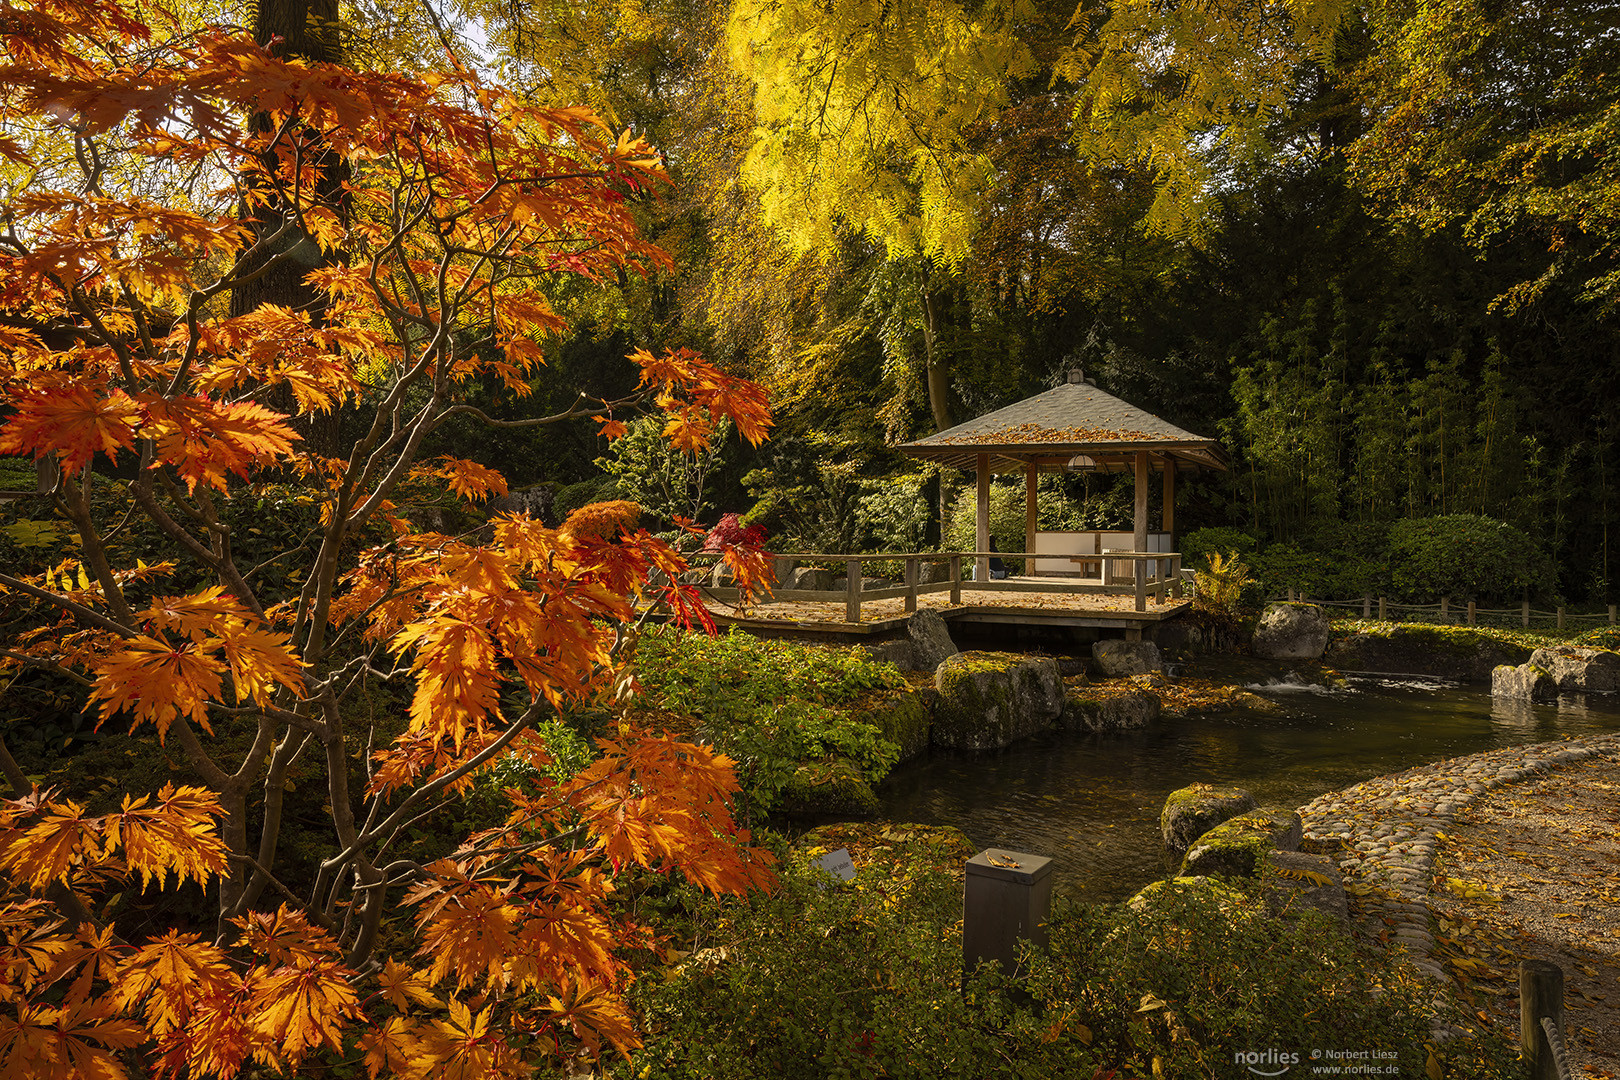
point(1092, 802)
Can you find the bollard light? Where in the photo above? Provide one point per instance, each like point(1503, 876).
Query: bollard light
point(1007, 896)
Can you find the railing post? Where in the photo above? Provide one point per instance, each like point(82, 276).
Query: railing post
point(911, 583)
point(1541, 993)
point(1382, 609)
point(1611, 614)
point(852, 591)
point(956, 579)
point(1445, 612)
point(1525, 617)
point(1290, 594)
point(1471, 613)
point(1006, 896)
point(1175, 572)
point(1366, 607)
point(1141, 582)
point(1560, 617)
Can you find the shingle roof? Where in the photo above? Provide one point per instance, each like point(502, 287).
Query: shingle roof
point(1074, 418)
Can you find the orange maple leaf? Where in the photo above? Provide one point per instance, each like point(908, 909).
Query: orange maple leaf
point(74, 423)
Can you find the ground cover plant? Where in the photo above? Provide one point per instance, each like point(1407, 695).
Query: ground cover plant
point(158, 176)
point(769, 705)
point(864, 979)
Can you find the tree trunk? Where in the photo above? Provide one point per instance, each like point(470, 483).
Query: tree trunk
point(304, 30)
point(938, 380)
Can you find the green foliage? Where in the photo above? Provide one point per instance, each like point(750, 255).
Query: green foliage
point(823, 980)
point(893, 513)
point(770, 705)
point(1200, 974)
point(1006, 518)
point(666, 482)
point(1199, 545)
point(573, 496)
point(1604, 637)
point(1464, 557)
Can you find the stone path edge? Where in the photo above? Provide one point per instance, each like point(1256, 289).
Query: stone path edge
point(1382, 831)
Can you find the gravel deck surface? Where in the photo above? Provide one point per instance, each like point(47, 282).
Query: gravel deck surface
point(1475, 863)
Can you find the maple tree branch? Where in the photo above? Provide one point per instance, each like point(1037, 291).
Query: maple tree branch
point(49, 665)
point(276, 883)
point(77, 610)
point(573, 412)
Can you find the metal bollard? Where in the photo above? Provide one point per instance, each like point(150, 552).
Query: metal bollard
point(1006, 897)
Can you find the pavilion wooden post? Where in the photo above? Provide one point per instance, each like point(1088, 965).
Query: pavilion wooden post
point(1031, 517)
point(981, 531)
point(1139, 542)
point(1168, 526)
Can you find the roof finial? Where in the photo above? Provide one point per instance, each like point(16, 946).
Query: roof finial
point(1076, 376)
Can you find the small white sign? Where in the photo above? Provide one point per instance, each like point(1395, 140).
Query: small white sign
point(838, 864)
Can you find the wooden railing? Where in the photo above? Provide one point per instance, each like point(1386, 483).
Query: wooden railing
point(1155, 574)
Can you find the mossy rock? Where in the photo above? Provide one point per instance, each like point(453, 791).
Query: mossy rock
point(1296, 881)
point(903, 716)
point(1190, 812)
point(1445, 651)
point(1526, 682)
point(1238, 848)
point(1090, 711)
point(834, 787)
point(989, 700)
point(1160, 892)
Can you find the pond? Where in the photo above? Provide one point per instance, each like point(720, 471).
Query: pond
point(1092, 802)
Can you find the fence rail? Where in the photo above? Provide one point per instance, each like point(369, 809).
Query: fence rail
point(1468, 614)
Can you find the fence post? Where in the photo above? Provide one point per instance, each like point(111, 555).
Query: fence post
point(1006, 895)
point(1290, 594)
point(1382, 609)
point(852, 590)
point(1445, 609)
point(1366, 607)
point(1471, 613)
point(1611, 614)
point(1560, 617)
point(956, 579)
point(1525, 617)
point(911, 583)
point(1175, 573)
point(1541, 993)
point(1140, 576)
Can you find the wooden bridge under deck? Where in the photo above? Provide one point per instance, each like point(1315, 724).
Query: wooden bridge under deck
point(1127, 590)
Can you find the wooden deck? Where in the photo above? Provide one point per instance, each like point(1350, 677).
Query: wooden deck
point(1024, 603)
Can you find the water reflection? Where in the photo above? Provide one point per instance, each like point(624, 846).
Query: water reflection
point(1092, 801)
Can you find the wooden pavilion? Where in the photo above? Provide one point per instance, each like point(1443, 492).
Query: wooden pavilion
point(1074, 427)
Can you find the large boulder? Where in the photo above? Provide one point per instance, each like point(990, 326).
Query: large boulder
point(989, 700)
point(1527, 682)
point(1292, 632)
point(1084, 711)
point(1299, 881)
point(810, 579)
point(819, 788)
point(1450, 652)
point(1118, 658)
point(902, 654)
point(930, 573)
point(902, 715)
point(1190, 812)
point(1239, 848)
point(930, 638)
point(1577, 668)
point(1164, 893)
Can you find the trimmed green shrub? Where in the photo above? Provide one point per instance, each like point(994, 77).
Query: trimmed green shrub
point(1197, 545)
point(1465, 557)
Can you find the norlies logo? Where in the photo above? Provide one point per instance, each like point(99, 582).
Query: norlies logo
point(1266, 1062)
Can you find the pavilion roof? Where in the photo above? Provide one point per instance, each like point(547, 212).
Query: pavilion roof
point(1072, 419)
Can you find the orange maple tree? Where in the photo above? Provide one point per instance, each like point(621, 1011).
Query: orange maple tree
point(456, 206)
